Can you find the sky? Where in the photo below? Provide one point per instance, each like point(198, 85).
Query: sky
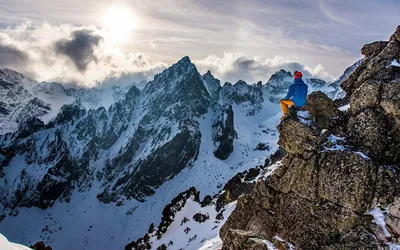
point(94, 42)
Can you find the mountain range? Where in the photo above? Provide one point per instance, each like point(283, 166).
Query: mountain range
point(94, 168)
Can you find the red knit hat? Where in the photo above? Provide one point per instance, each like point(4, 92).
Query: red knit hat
point(297, 74)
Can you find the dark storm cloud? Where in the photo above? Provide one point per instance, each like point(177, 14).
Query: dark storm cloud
point(80, 49)
point(10, 56)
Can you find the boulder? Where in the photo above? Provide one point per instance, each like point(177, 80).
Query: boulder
point(322, 109)
point(373, 48)
point(297, 138)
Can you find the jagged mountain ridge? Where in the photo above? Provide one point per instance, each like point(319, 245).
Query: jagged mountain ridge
point(22, 98)
point(110, 154)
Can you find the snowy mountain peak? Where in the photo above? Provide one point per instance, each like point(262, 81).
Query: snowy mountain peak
point(280, 75)
point(212, 84)
point(185, 60)
point(227, 84)
point(14, 77)
point(183, 65)
point(241, 83)
point(50, 88)
point(208, 74)
point(171, 79)
point(10, 74)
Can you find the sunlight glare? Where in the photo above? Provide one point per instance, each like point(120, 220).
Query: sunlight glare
point(119, 21)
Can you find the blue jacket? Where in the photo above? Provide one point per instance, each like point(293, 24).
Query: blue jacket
point(297, 92)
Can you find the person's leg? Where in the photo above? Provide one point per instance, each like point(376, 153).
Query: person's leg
point(285, 105)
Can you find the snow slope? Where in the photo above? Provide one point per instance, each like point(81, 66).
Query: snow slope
point(6, 245)
point(98, 97)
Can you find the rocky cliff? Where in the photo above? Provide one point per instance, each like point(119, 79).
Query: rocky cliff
point(337, 187)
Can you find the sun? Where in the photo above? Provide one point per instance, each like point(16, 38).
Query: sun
point(119, 21)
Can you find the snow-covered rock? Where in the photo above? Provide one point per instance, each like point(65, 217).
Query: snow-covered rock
point(94, 98)
point(23, 98)
point(395, 63)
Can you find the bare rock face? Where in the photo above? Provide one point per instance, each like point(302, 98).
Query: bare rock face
point(338, 166)
point(225, 133)
point(374, 90)
point(373, 48)
point(393, 219)
point(313, 202)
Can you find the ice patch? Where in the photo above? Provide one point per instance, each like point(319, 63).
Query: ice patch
point(271, 169)
point(345, 107)
point(270, 245)
point(395, 63)
point(362, 155)
point(338, 144)
point(379, 219)
point(304, 117)
point(334, 138)
point(393, 246)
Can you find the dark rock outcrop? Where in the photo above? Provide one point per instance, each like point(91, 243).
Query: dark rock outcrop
point(40, 246)
point(200, 218)
point(244, 182)
point(338, 167)
point(225, 133)
point(168, 216)
point(374, 90)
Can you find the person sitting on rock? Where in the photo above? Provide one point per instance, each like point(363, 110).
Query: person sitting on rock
point(296, 95)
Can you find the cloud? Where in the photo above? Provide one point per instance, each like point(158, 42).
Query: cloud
point(325, 9)
point(11, 56)
point(234, 66)
point(80, 49)
point(88, 56)
point(76, 55)
point(153, 44)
